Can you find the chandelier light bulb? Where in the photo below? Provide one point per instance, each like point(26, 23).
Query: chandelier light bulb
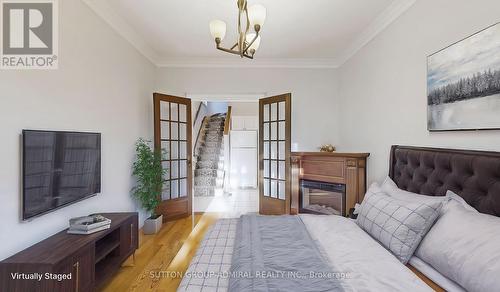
point(218, 29)
point(257, 14)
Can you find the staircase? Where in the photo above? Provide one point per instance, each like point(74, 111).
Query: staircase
point(209, 170)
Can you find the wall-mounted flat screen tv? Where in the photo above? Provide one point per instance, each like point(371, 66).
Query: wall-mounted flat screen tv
point(59, 168)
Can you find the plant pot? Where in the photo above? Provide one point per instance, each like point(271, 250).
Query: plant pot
point(152, 225)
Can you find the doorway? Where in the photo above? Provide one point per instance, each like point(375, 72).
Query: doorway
point(225, 157)
point(216, 164)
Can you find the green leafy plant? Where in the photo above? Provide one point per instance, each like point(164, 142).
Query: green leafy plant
point(149, 173)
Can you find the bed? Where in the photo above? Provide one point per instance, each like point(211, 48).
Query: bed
point(342, 255)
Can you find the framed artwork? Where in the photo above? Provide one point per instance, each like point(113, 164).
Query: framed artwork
point(463, 84)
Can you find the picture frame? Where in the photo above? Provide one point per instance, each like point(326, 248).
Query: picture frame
point(463, 84)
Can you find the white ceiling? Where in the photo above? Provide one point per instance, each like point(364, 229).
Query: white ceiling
point(297, 33)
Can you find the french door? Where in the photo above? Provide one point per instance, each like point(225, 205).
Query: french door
point(274, 154)
point(172, 133)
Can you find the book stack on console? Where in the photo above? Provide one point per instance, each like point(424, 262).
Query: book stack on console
point(88, 224)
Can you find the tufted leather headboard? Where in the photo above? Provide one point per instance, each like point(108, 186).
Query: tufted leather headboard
point(474, 175)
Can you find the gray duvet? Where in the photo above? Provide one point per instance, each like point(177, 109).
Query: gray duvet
point(276, 253)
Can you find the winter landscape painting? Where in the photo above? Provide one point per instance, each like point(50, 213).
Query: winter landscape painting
point(463, 84)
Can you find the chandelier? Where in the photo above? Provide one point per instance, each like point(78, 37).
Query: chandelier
point(250, 21)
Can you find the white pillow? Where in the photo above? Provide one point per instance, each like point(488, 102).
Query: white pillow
point(464, 246)
point(460, 200)
point(390, 187)
point(398, 225)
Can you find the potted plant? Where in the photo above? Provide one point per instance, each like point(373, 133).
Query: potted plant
point(149, 173)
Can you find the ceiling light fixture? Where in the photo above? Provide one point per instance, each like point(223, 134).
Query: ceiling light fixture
point(248, 41)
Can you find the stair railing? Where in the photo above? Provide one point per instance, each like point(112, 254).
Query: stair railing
point(198, 125)
point(227, 122)
point(227, 148)
point(200, 106)
point(201, 132)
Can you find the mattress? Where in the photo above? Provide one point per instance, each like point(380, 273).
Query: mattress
point(366, 264)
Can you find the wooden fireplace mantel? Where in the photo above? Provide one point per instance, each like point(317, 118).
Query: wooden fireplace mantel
point(341, 168)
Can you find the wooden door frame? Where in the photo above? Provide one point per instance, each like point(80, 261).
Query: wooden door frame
point(263, 201)
point(172, 205)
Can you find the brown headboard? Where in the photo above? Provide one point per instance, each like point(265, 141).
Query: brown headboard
point(474, 175)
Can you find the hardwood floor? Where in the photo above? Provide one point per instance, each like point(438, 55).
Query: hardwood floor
point(162, 258)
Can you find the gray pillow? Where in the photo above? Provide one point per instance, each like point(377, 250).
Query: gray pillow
point(398, 225)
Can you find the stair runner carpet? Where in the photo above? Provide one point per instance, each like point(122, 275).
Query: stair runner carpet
point(209, 170)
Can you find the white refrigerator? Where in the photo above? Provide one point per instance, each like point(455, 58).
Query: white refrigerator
point(244, 160)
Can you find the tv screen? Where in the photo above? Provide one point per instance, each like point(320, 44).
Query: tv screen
point(59, 168)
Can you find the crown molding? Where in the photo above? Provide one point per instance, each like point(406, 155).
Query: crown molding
point(102, 9)
point(382, 21)
point(232, 97)
point(232, 62)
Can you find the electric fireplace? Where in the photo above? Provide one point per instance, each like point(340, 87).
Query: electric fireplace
point(322, 198)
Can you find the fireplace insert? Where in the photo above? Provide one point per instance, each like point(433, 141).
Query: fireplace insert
point(322, 198)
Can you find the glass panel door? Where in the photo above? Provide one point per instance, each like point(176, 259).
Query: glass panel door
point(173, 134)
point(274, 140)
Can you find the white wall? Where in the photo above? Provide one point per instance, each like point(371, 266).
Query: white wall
point(383, 88)
point(195, 104)
point(244, 108)
point(314, 94)
point(102, 85)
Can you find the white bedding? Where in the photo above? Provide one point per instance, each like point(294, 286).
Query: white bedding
point(351, 250)
point(435, 276)
point(368, 265)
